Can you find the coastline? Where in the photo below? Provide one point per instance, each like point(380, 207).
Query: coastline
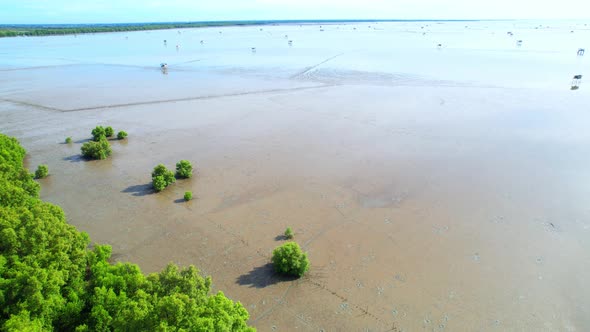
point(38, 30)
point(432, 188)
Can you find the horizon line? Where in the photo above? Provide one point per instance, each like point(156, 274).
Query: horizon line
point(262, 21)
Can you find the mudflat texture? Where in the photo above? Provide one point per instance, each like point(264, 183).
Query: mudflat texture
point(436, 189)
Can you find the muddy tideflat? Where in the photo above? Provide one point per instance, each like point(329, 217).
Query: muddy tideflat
point(433, 189)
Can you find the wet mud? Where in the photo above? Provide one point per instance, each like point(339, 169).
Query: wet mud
point(422, 205)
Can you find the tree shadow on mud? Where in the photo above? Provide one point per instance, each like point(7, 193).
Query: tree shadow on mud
point(262, 276)
point(75, 158)
point(280, 238)
point(140, 189)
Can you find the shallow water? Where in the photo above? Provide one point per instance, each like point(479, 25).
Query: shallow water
point(434, 189)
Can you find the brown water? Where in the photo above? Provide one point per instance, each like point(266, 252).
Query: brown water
point(425, 202)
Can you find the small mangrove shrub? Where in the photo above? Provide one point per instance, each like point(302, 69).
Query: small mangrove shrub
point(159, 183)
point(289, 233)
point(162, 177)
point(121, 135)
point(98, 133)
point(184, 169)
point(188, 196)
point(109, 132)
point(41, 172)
point(68, 140)
point(100, 149)
point(289, 259)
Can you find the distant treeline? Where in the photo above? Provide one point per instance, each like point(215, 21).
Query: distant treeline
point(48, 30)
point(72, 29)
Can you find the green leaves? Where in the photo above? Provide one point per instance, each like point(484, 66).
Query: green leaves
point(100, 149)
point(22, 322)
point(184, 169)
point(98, 133)
point(101, 132)
point(162, 177)
point(159, 183)
point(16, 185)
point(170, 300)
point(290, 260)
point(41, 172)
point(289, 233)
point(121, 135)
point(50, 280)
point(45, 261)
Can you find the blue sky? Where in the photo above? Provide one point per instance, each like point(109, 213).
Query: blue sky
point(113, 11)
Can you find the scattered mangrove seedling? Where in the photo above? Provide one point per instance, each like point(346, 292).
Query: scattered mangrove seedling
point(121, 135)
point(100, 149)
point(289, 233)
point(289, 259)
point(108, 131)
point(188, 196)
point(53, 279)
point(68, 140)
point(98, 133)
point(184, 169)
point(162, 178)
point(41, 172)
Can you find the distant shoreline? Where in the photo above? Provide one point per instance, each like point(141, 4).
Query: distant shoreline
point(33, 30)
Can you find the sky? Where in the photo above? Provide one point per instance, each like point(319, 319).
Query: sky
point(123, 11)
